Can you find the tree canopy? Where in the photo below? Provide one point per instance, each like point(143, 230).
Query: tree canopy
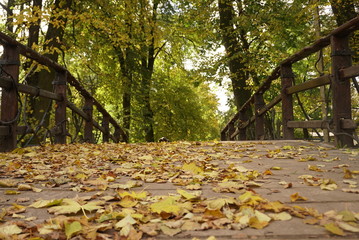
point(153, 63)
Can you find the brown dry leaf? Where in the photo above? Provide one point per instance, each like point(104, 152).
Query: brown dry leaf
point(351, 190)
point(170, 231)
point(267, 172)
point(311, 221)
point(296, 197)
point(347, 174)
point(150, 229)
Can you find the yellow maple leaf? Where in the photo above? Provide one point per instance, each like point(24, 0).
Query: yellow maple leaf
point(72, 228)
point(331, 227)
point(189, 195)
point(134, 195)
point(127, 202)
point(250, 199)
point(168, 205)
point(192, 168)
point(219, 203)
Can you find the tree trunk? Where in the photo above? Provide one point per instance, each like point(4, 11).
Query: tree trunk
point(147, 72)
point(239, 74)
point(52, 43)
point(125, 63)
point(343, 12)
point(9, 12)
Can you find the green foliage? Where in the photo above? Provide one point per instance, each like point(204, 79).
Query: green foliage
point(108, 46)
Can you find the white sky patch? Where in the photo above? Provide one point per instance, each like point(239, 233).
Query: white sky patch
point(222, 96)
point(220, 91)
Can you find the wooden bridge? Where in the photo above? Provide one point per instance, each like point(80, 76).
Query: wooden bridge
point(11, 111)
point(341, 125)
point(285, 189)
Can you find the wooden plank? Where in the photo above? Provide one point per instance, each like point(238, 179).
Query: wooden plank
point(4, 130)
point(259, 119)
point(88, 109)
point(320, 81)
point(34, 91)
point(77, 110)
point(348, 124)
point(31, 90)
point(349, 72)
point(287, 100)
point(308, 124)
point(60, 108)
point(106, 126)
point(9, 99)
point(98, 126)
point(270, 105)
point(341, 97)
point(344, 123)
point(5, 82)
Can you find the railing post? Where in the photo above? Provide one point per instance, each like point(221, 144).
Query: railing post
point(259, 120)
point(117, 134)
point(60, 87)
point(9, 101)
point(242, 119)
point(287, 100)
point(106, 126)
point(88, 109)
point(231, 130)
point(341, 58)
point(224, 135)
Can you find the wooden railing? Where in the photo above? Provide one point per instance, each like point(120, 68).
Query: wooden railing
point(341, 125)
point(10, 111)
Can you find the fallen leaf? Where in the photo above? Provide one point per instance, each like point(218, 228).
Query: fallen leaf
point(72, 228)
point(192, 168)
point(9, 230)
point(168, 205)
point(191, 196)
point(170, 231)
point(348, 227)
point(296, 197)
point(331, 227)
point(283, 216)
point(128, 220)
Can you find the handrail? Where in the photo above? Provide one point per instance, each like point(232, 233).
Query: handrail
point(12, 62)
point(340, 72)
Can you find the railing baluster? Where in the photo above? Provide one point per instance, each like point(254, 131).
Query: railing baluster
point(341, 58)
point(88, 109)
point(60, 87)
point(287, 100)
point(9, 101)
point(242, 119)
point(259, 121)
point(106, 126)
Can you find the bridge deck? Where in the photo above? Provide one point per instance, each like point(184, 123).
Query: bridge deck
point(265, 172)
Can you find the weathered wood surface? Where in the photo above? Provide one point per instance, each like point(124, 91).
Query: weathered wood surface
point(161, 167)
point(341, 69)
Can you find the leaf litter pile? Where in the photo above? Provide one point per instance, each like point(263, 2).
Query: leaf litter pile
point(160, 190)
